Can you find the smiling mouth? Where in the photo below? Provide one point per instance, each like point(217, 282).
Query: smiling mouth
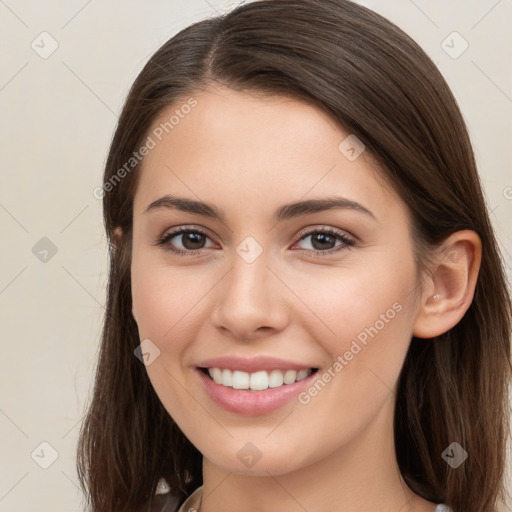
point(256, 381)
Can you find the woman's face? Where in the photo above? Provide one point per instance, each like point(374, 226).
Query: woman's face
point(315, 287)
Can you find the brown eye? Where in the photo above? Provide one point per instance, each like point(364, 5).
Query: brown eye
point(324, 241)
point(191, 240)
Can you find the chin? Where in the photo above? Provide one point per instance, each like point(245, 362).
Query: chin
point(260, 459)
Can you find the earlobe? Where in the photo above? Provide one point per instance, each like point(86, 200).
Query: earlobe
point(449, 289)
point(117, 236)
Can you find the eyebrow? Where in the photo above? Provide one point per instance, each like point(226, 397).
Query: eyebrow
point(284, 212)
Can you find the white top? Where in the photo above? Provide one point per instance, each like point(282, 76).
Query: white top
point(192, 503)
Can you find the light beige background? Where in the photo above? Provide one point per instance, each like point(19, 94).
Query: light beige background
point(57, 117)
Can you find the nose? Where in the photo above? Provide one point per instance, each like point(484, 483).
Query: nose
point(250, 300)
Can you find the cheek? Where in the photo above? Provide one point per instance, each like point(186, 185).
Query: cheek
point(165, 303)
point(363, 320)
point(352, 303)
point(164, 300)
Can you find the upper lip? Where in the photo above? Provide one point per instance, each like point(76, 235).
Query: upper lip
point(252, 364)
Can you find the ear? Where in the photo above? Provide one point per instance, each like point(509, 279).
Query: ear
point(449, 289)
point(117, 235)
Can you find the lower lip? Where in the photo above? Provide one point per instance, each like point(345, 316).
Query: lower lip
point(253, 403)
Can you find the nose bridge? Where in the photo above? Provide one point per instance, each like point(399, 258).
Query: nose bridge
point(249, 277)
point(246, 298)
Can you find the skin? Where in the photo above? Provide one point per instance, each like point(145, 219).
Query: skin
point(247, 155)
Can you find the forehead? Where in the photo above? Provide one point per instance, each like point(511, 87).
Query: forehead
point(243, 148)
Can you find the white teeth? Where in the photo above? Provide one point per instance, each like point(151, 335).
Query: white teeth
point(302, 374)
point(240, 380)
point(256, 381)
point(276, 379)
point(217, 375)
point(227, 379)
point(290, 376)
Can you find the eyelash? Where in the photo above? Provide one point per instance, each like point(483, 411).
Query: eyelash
point(348, 242)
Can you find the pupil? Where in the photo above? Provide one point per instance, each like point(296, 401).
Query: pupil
point(323, 237)
point(188, 237)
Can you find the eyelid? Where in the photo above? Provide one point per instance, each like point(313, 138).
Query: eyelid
point(348, 239)
point(324, 228)
point(186, 227)
point(176, 231)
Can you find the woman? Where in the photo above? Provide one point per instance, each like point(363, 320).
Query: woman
point(306, 307)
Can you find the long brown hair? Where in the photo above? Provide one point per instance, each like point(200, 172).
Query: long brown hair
point(378, 84)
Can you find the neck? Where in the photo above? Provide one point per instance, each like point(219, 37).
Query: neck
point(363, 474)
